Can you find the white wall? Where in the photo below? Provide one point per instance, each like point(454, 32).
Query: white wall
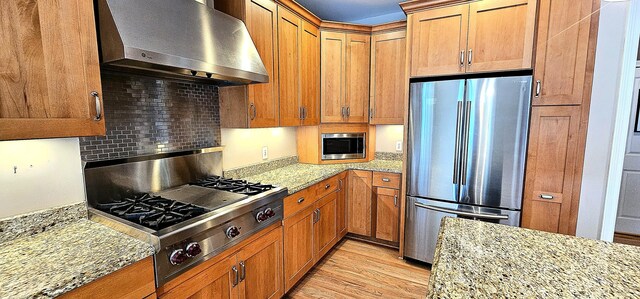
point(244, 146)
point(606, 83)
point(48, 174)
point(387, 136)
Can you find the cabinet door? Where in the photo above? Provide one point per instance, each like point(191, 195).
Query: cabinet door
point(387, 214)
point(298, 246)
point(262, 23)
point(310, 72)
point(260, 266)
point(562, 51)
point(388, 84)
point(357, 85)
point(289, 46)
point(501, 35)
point(359, 202)
point(49, 70)
point(325, 226)
point(218, 281)
point(333, 49)
point(439, 41)
point(341, 206)
point(551, 163)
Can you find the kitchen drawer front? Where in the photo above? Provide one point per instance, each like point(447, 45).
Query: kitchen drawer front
point(327, 186)
point(298, 201)
point(386, 179)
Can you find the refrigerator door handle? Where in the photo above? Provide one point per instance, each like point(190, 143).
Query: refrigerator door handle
point(465, 142)
point(456, 157)
point(462, 213)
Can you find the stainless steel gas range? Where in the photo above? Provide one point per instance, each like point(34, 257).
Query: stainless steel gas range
point(180, 203)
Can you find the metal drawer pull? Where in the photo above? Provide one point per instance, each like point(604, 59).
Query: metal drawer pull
point(395, 200)
point(327, 186)
point(546, 196)
point(300, 200)
point(235, 275)
point(96, 96)
point(462, 213)
point(243, 271)
point(386, 180)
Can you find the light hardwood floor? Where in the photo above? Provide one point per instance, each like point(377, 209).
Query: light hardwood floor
point(355, 269)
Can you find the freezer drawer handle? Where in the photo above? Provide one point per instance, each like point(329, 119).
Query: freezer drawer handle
point(546, 196)
point(461, 213)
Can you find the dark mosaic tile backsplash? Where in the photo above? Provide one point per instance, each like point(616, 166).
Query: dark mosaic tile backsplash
point(147, 115)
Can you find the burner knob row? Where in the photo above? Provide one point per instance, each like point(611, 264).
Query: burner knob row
point(232, 232)
point(179, 256)
point(264, 215)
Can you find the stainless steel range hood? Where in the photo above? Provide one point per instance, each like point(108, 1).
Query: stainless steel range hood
point(182, 37)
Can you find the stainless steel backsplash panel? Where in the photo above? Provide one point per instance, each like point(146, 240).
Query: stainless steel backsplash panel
point(108, 180)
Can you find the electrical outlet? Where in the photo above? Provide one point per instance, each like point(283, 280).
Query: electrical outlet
point(265, 153)
point(398, 146)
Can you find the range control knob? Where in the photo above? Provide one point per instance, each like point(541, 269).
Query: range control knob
point(261, 216)
point(193, 249)
point(177, 257)
point(232, 232)
point(269, 212)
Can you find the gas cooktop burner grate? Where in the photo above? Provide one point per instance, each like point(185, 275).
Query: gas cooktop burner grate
point(154, 212)
point(231, 185)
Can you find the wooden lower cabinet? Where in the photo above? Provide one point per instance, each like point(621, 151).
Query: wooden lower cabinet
point(551, 162)
point(341, 205)
point(359, 202)
point(134, 281)
point(298, 246)
point(387, 214)
point(252, 271)
point(325, 231)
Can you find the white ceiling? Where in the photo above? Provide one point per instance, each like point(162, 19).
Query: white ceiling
point(356, 11)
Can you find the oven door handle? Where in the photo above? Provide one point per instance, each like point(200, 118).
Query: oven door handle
point(462, 213)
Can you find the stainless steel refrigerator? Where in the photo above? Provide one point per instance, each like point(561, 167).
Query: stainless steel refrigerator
point(466, 156)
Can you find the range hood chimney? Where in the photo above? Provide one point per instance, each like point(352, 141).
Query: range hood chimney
point(179, 37)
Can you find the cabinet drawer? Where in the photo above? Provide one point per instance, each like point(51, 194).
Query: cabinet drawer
point(327, 186)
point(298, 201)
point(386, 179)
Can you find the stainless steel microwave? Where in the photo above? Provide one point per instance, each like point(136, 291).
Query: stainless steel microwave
point(341, 146)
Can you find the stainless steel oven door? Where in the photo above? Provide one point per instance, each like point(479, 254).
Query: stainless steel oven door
point(341, 146)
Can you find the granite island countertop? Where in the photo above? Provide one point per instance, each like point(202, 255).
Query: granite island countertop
point(482, 260)
point(299, 176)
point(63, 258)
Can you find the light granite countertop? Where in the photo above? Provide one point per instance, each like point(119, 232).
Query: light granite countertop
point(483, 260)
point(63, 258)
point(299, 176)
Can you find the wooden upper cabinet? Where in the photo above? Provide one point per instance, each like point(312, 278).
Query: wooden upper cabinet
point(562, 51)
point(358, 73)
point(551, 163)
point(333, 49)
point(388, 82)
point(260, 266)
point(310, 72)
point(501, 35)
point(439, 41)
point(289, 62)
point(49, 70)
point(256, 106)
point(359, 202)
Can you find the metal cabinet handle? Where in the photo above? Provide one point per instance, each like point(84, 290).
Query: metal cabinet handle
point(235, 275)
point(300, 113)
point(348, 111)
point(319, 215)
point(253, 111)
point(243, 271)
point(462, 213)
point(342, 112)
point(327, 186)
point(304, 113)
point(96, 96)
point(395, 200)
point(372, 113)
point(300, 200)
point(386, 180)
point(340, 184)
point(538, 88)
point(462, 58)
point(470, 56)
point(546, 196)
